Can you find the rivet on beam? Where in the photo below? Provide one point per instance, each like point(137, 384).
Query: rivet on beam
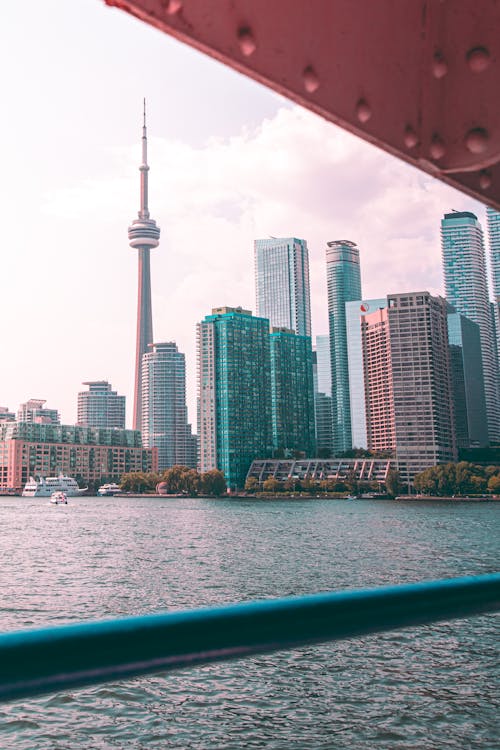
point(410, 137)
point(363, 111)
point(478, 59)
point(476, 140)
point(311, 80)
point(484, 180)
point(439, 66)
point(246, 41)
point(172, 6)
point(437, 148)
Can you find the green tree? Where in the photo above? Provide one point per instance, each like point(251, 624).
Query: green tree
point(213, 483)
point(494, 484)
point(392, 482)
point(252, 484)
point(175, 479)
point(272, 485)
point(191, 482)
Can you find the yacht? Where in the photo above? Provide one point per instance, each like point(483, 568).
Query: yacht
point(45, 486)
point(59, 498)
point(109, 489)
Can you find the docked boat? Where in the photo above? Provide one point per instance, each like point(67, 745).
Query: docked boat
point(45, 486)
point(109, 489)
point(59, 498)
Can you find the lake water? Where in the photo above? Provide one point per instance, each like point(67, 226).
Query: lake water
point(423, 688)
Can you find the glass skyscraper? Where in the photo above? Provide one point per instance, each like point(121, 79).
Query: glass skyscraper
point(466, 288)
point(493, 219)
point(234, 392)
point(292, 392)
point(344, 285)
point(282, 283)
point(100, 406)
point(164, 411)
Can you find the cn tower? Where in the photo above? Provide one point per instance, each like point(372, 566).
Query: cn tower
point(143, 234)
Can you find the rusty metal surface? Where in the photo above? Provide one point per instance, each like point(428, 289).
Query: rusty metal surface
point(419, 78)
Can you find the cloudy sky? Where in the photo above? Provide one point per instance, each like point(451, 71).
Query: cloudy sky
point(230, 161)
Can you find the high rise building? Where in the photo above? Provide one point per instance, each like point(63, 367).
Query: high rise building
point(323, 383)
point(493, 220)
point(323, 396)
point(6, 415)
point(164, 411)
point(292, 393)
point(408, 384)
point(100, 406)
point(234, 392)
point(466, 287)
point(143, 234)
point(34, 411)
point(282, 283)
point(354, 311)
point(471, 427)
point(344, 285)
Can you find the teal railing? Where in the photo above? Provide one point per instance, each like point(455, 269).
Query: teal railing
point(33, 662)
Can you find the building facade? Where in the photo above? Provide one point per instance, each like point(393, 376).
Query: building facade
point(34, 411)
point(344, 285)
point(378, 401)
point(466, 287)
point(88, 454)
point(292, 393)
point(493, 221)
point(471, 427)
point(354, 311)
point(234, 392)
point(323, 396)
point(282, 283)
point(100, 406)
point(164, 410)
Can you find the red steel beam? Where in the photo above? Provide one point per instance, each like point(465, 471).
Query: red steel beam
point(418, 78)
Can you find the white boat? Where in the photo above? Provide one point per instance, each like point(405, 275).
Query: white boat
point(109, 489)
point(45, 486)
point(58, 498)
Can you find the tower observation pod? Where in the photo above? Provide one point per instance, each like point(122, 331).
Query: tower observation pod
point(143, 234)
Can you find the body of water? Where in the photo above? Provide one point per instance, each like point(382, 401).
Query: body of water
point(426, 688)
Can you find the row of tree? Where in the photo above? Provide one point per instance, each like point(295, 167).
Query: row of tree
point(349, 484)
point(178, 480)
point(463, 478)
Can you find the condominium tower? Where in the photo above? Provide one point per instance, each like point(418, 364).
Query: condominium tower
point(493, 219)
point(143, 234)
point(34, 411)
point(282, 283)
point(100, 406)
point(466, 288)
point(164, 411)
point(234, 392)
point(344, 285)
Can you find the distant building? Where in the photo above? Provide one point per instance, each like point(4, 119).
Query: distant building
point(292, 393)
point(282, 283)
point(234, 392)
point(466, 287)
point(471, 426)
point(164, 411)
point(408, 382)
point(34, 411)
point(100, 406)
point(354, 311)
point(88, 454)
point(323, 376)
point(323, 396)
point(344, 285)
point(6, 415)
point(317, 470)
point(493, 220)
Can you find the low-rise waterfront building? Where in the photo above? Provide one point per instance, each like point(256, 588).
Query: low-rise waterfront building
point(88, 454)
point(316, 469)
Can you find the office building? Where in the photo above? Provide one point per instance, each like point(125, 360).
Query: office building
point(88, 454)
point(292, 394)
point(234, 392)
point(100, 406)
point(344, 285)
point(471, 428)
point(466, 287)
point(282, 283)
point(34, 411)
point(493, 221)
point(164, 411)
point(143, 235)
point(323, 396)
point(354, 312)
point(408, 382)
point(6, 415)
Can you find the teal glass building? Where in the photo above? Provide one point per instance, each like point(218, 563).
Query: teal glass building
point(466, 285)
point(344, 285)
point(292, 393)
point(234, 392)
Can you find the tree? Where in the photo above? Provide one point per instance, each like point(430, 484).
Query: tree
point(175, 479)
point(392, 482)
point(494, 484)
point(271, 485)
point(139, 481)
point(252, 484)
point(213, 483)
point(191, 482)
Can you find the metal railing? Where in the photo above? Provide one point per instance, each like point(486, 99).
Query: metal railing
point(33, 662)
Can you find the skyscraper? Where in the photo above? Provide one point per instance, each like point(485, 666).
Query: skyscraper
point(34, 411)
point(493, 219)
point(466, 287)
point(322, 374)
point(292, 393)
point(408, 385)
point(234, 392)
point(143, 234)
point(344, 285)
point(164, 411)
point(100, 406)
point(282, 283)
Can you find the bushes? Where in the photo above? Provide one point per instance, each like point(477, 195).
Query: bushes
point(463, 478)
